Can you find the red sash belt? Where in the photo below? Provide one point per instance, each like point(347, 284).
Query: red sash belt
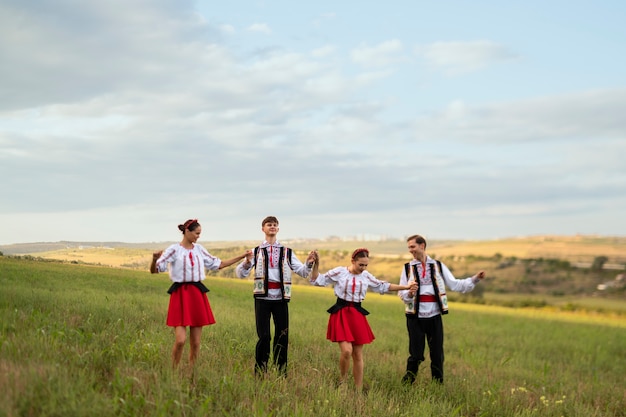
point(273, 285)
point(428, 298)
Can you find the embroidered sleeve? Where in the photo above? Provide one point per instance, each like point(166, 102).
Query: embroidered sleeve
point(212, 263)
point(166, 258)
point(376, 284)
point(332, 275)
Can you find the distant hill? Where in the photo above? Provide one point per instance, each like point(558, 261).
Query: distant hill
point(575, 249)
point(39, 247)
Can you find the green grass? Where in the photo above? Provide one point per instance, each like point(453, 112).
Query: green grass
point(80, 340)
point(539, 281)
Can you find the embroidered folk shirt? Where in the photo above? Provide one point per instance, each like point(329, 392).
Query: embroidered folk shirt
point(431, 308)
point(187, 265)
point(273, 268)
point(351, 287)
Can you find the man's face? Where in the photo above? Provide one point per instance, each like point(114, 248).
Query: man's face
point(270, 228)
point(416, 249)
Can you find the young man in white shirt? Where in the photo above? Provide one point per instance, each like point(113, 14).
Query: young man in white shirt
point(273, 264)
point(425, 306)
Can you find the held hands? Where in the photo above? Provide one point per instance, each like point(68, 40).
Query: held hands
point(313, 262)
point(248, 258)
point(155, 257)
point(412, 287)
point(313, 258)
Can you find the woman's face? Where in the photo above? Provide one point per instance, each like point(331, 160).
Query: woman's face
point(193, 235)
point(360, 264)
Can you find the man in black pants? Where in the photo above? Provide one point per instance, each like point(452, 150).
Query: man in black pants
point(425, 306)
point(273, 264)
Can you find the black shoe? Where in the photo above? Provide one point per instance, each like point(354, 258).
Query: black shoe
point(408, 379)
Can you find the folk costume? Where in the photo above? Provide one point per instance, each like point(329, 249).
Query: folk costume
point(424, 311)
point(273, 265)
point(347, 321)
point(189, 304)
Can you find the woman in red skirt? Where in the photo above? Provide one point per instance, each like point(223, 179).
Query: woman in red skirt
point(347, 324)
point(189, 304)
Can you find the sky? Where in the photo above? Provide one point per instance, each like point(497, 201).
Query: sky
point(121, 119)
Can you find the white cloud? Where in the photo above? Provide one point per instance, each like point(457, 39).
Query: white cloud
point(460, 57)
point(370, 77)
point(573, 117)
point(323, 51)
point(124, 118)
point(383, 54)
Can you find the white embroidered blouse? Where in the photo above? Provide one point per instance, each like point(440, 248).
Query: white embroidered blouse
point(187, 265)
point(351, 287)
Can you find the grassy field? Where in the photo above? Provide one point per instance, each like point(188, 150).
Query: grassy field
point(531, 271)
point(78, 340)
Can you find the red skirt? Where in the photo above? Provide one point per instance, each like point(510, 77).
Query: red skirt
point(189, 307)
point(348, 325)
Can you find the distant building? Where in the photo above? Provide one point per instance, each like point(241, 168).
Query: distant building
point(618, 282)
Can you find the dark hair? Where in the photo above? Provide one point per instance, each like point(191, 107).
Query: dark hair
point(191, 225)
point(360, 253)
point(418, 239)
point(269, 219)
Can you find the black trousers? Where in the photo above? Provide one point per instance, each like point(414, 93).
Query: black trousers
point(422, 330)
point(264, 310)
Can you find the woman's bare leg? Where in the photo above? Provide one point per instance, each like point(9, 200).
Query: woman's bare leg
point(180, 335)
point(357, 365)
point(194, 343)
point(344, 359)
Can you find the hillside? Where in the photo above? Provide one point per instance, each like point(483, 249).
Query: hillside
point(540, 270)
point(574, 249)
point(81, 340)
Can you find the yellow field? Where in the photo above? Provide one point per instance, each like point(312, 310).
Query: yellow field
point(573, 249)
point(114, 257)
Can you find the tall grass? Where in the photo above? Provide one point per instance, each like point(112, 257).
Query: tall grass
point(78, 340)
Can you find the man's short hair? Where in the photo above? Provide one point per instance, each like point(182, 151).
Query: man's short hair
point(418, 239)
point(269, 219)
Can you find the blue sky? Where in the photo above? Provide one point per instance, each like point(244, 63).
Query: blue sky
point(456, 120)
